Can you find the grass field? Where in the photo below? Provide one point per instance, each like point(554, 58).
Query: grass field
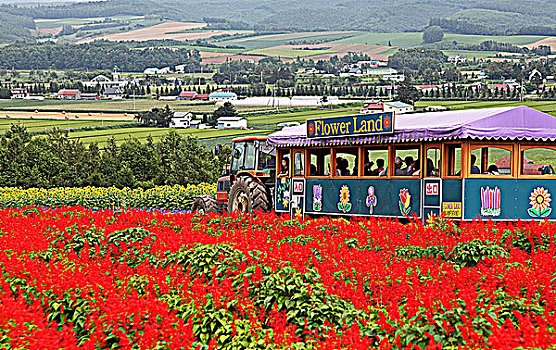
point(103, 136)
point(112, 106)
point(416, 38)
point(264, 41)
point(54, 23)
point(49, 125)
point(339, 42)
point(267, 123)
point(470, 54)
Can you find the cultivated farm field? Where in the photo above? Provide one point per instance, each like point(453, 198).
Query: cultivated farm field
point(102, 137)
point(168, 30)
point(47, 125)
point(376, 45)
point(112, 107)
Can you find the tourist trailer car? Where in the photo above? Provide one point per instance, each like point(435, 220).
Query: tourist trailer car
point(493, 163)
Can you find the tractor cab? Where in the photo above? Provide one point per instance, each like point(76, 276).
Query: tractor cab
point(251, 155)
point(248, 181)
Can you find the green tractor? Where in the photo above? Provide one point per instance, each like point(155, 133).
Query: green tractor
point(248, 181)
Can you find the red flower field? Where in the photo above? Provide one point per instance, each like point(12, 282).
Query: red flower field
point(73, 278)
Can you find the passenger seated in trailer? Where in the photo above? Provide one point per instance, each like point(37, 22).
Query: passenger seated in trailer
point(379, 167)
point(546, 170)
point(398, 171)
point(313, 170)
point(492, 170)
point(284, 172)
point(431, 171)
point(474, 169)
point(416, 168)
point(367, 168)
point(410, 166)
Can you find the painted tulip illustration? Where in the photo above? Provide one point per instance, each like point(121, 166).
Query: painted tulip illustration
point(371, 199)
point(405, 202)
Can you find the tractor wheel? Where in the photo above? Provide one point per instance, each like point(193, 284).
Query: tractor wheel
point(205, 204)
point(248, 194)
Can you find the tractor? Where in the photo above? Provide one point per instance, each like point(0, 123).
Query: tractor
point(248, 180)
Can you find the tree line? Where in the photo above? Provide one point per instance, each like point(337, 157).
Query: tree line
point(55, 160)
point(98, 55)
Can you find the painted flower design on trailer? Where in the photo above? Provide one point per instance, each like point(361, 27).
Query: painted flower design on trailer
point(344, 204)
point(317, 197)
point(540, 203)
point(371, 199)
point(405, 201)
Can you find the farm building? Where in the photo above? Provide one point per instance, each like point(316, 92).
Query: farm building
point(397, 107)
point(151, 71)
point(104, 82)
point(457, 58)
point(188, 95)
point(202, 97)
point(394, 77)
point(222, 96)
point(92, 96)
point(185, 120)
point(69, 94)
point(113, 93)
point(19, 93)
point(232, 123)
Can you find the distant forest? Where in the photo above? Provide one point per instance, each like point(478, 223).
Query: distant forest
point(486, 17)
point(99, 55)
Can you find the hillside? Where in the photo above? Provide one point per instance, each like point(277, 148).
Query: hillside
point(482, 17)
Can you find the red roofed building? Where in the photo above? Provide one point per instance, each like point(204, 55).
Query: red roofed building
point(203, 97)
point(67, 94)
point(188, 95)
point(372, 106)
point(502, 87)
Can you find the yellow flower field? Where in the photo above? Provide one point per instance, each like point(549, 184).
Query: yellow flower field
point(176, 197)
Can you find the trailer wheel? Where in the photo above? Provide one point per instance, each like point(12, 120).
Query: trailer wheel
point(205, 204)
point(248, 194)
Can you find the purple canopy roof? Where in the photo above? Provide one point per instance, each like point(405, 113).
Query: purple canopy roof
point(506, 123)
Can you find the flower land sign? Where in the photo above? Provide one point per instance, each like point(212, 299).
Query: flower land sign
point(365, 124)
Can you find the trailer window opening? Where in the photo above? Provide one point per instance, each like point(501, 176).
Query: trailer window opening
point(538, 161)
point(454, 160)
point(432, 163)
point(406, 161)
point(283, 163)
point(298, 163)
point(319, 162)
point(347, 161)
point(491, 161)
point(375, 162)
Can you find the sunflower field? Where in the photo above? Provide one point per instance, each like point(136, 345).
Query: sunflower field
point(171, 198)
point(72, 278)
